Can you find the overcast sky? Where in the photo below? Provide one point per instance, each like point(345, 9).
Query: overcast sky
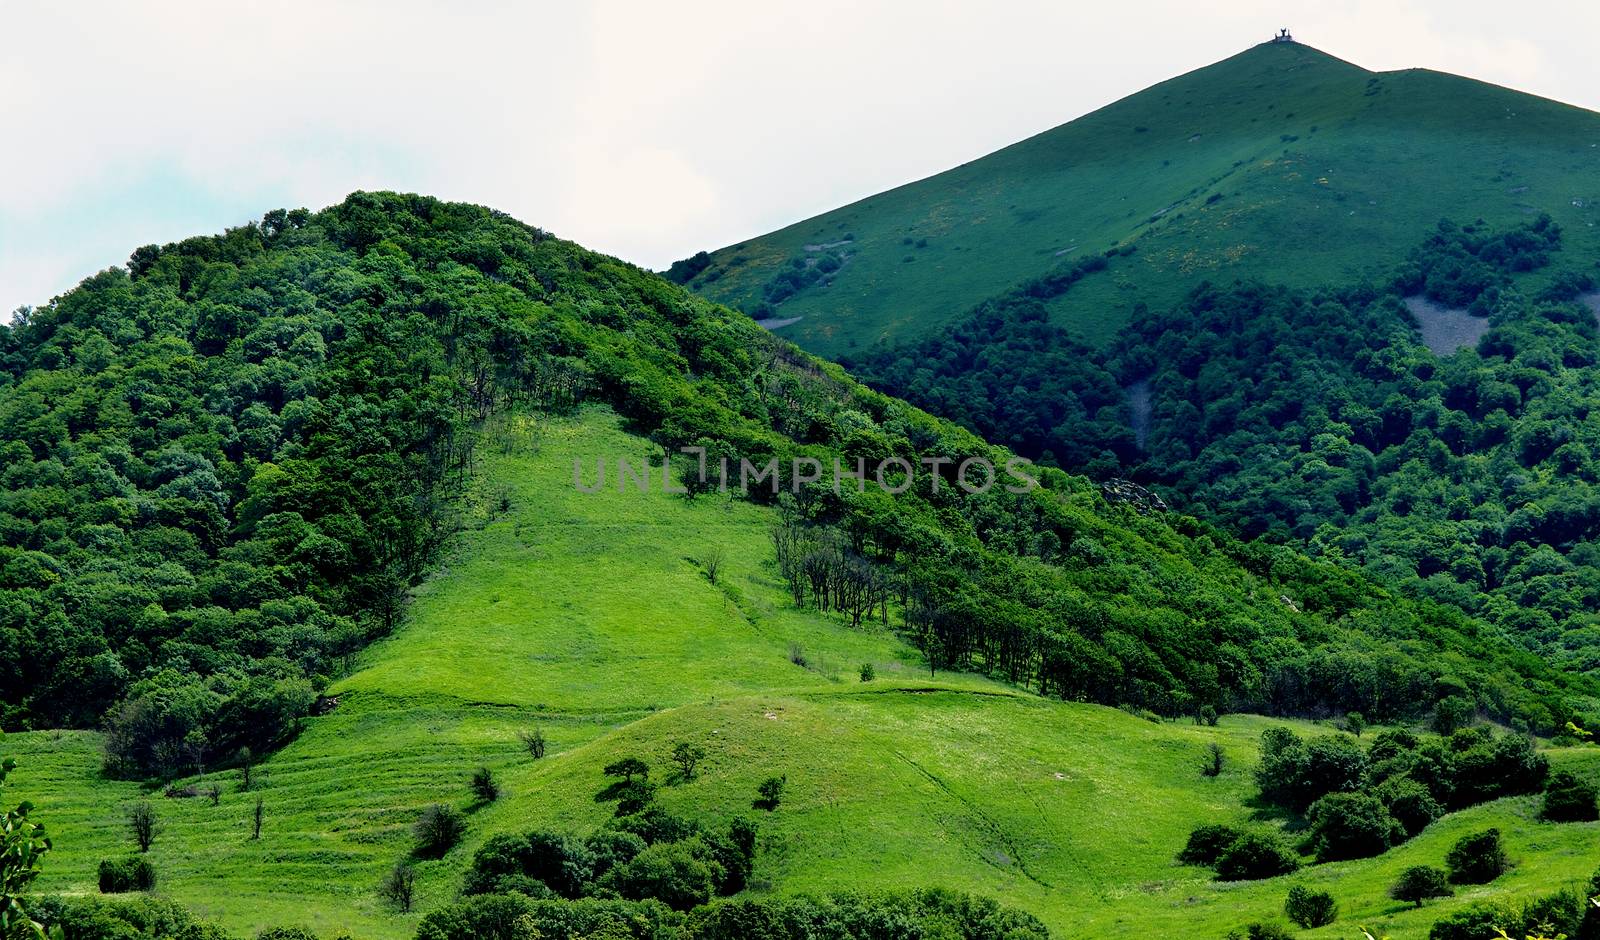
point(649, 130)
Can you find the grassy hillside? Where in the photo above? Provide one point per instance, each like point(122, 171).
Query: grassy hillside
point(1281, 163)
point(586, 615)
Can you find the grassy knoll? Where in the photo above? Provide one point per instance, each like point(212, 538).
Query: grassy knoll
point(590, 617)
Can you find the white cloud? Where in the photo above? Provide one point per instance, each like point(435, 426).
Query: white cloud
point(646, 129)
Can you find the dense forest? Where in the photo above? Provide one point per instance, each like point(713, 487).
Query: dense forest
point(1319, 419)
point(226, 463)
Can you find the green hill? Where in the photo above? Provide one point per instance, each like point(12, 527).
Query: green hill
point(583, 616)
point(1281, 163)
point(308, 498)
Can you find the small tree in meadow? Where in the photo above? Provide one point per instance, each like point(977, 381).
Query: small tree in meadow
point(1310, 908)
point(627, 768)
point(483, 785)
point(688, 755)
point(771, 793)
point(711, 561)
point(868, 673)
point(1419, 883)
point(399, 886)
point(438, 830)
point(1476, 859)
point(533, 741)
point(1355, 723)
point(143, 825)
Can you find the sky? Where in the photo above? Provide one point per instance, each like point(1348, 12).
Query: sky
point(649, 130)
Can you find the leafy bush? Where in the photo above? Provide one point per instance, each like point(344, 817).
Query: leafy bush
point(483, 785)
point(1352, 825)
point(1207, 843)
point(1476, 859)
point(930, 912)
point(770, 793)
point(681, 875)
point(1569, 799)
point(1309, 908)
point(438, 830)
point(143, 916)
point(1419, 883)
point(1260, 931)
point(1254, 856)
point(134, 873)
point(1410, 803)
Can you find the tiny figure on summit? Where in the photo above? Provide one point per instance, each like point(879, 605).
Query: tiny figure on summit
point(1283, 36)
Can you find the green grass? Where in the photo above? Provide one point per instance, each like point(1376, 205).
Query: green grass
point(1371, 162)
point(586, 615)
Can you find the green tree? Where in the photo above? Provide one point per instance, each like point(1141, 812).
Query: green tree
point(627, 768)
point(688, 755)
point(770, 792)
point(438, 830)
point(483, 785)
point(1309, 908)
point(1569, 799)
point(1253, 856)
point(143, 825)
point(1419, 883)
point(1352, 825)
point(1476, 859)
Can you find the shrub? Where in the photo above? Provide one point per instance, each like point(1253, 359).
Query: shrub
point(1476, 859)
point(674, 873)
point(868, 673)
point(127, 874)
point(1207, 716)
point(438, 830)
point(1410, 803)
point(533, 741)
point(1474, 922)
point(399, 886)
point(483, 785)
point(1352, 825)
point(1568, 799)
point(1253, 856)
point(482, 917)
point(1207, 843)
point(555, 863)
point(1261, 932)
point(770, 793)
point(1309, 908)
point(1418, 883)
point(142, 824)
point(1355, 723)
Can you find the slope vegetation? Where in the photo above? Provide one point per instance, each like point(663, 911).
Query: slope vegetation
point(544, 615)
